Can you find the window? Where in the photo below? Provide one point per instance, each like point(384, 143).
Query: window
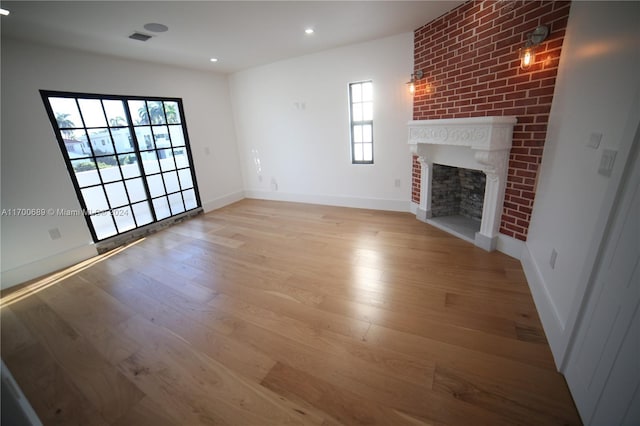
point(129, 158)
point(361, 111)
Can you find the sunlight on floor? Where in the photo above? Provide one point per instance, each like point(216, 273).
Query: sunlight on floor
point(53, 279)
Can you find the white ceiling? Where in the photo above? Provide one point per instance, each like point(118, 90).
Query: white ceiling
point(242, 34)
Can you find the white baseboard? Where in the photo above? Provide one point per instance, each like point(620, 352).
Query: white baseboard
point(510, 246)
point(220, 202)
point(413, 207)
point(547, 310)
point(47, 265)
point(332, 200)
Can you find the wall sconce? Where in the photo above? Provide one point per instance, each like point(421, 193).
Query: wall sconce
point(528, 52)
point(412, 83)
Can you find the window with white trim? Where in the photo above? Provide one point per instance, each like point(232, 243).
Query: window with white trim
point(361, 117)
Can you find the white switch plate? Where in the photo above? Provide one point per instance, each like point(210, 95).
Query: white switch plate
point(594, 140)
point(607, 161)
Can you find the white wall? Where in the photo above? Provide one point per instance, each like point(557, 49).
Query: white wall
point(306, 150)
point(33, 170)
point(596, 88)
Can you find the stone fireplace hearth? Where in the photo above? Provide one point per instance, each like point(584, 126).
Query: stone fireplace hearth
point(478, 143)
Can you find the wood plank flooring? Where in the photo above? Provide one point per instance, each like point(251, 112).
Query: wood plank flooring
point(272, 313)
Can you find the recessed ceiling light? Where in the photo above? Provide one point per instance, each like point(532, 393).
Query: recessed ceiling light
point(4, 12)
point(213, 59)
point(309, 31)
point(155, 27)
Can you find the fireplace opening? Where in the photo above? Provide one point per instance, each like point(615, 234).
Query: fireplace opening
point(457, 196)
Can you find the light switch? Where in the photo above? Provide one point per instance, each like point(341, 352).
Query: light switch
point(594, 140)
point(607, 161)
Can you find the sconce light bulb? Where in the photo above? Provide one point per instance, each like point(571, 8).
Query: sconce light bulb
point(412, 88)
point(527, 58)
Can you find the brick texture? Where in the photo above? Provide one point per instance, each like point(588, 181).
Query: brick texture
point(471, 67)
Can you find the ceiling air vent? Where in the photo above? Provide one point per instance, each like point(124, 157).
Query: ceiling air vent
point(139, 36)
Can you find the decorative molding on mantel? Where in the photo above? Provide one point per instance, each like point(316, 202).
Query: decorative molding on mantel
point(488, 140)
point(478, 133)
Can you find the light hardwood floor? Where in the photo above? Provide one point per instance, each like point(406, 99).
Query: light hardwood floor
point(270, 313)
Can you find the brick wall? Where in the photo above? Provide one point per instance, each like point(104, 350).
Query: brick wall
point(471, 67)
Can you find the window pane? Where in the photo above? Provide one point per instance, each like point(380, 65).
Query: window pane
point(357, 133)
point(150, 162)
point(166, 159)
point(190, 199)
point(357, 112)
point(66, 112)
point(75, 142)
point(136, 190)
point(139, 113)
point(92, 112)
point(142, 213)
point(156, 111)
point(156, 187)
point(124, 219)
point(145, 139)
point(116, 193)
point(367, 151)
point(115, 113)
point(185, 178)
point(366, 133)
point(161, 207)
point(173, 112)
point(171, 181)
point(103, 225)
point(356, 93)
point(86, 172)
point(175, 201)
point(129, 165)
point(94, 198)
point(161, 136)
point(177, 138)
point(109, 169)
point(357, 152)
point(180, 156)
point(367, 91)
point(123, 140)
point(367, 114)
point(100, 141)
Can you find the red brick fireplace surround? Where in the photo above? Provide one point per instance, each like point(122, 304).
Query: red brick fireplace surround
point(472, 69)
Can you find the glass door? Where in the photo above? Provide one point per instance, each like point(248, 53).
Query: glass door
point(129, 158)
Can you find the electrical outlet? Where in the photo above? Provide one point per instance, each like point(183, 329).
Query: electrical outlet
point(397, 183)
point(55, 234)
point(552, 259)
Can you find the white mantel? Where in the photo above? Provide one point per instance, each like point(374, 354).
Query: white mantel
point(478, 143)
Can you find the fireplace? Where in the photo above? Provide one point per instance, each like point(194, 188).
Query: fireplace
point(480, 144)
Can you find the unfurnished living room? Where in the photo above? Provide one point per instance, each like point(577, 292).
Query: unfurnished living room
point(320, 212)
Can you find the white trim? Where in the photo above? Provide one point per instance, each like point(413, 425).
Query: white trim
point(220, 202)
point(547, 310)
point(47, 265)
point(332, 200)
point(510, 246)
point(413, 207)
